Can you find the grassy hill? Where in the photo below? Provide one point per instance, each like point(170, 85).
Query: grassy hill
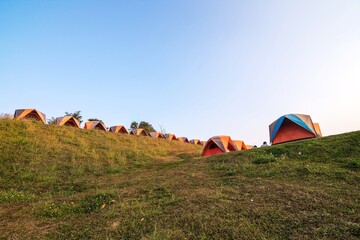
point(66, 183)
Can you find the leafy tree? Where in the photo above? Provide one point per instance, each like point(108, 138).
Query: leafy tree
point(133, 125)
point(147, 126)
point(51, 121)
point(76, 114)
point(95, 119)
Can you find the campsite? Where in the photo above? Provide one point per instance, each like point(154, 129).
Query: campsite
point(57, 181)
point(287, 128)
point(190, 119)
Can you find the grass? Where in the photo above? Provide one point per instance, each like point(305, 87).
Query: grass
point(66, 183)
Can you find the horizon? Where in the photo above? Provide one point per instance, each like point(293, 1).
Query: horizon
point(198, 69)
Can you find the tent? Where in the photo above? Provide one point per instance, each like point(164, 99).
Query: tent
point(183, 139)
point(218, 145)
point(240, 145)
point(68, 121)
point(203, 143)
point(95, 125)
point(139, 132)
point(119, 129)
point(317, 129)
point(249, 146)
point(292, 127)
point(156, 135)
point(195, 141)
point(171, 137)
point(30, 114)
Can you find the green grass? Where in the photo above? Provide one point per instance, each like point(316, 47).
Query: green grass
point(66, 183)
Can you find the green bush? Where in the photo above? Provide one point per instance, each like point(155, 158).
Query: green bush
point(231, 172)
point(87, 205)
point(93, 203)
point(353, 165)
point(15, 196)
point(263, 159)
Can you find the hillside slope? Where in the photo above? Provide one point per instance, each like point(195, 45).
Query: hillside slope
point(65, 183)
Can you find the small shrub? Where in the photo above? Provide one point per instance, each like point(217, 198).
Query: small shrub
point(86, 205)
point(15, 196)
point(231, 172)
point(93, 203)
point(302, 171)
point(263, 159)
point(355, 229)
point(160, 192)
point(353, 165)
point(278, 151)
point(71, 189)
point(54, 210)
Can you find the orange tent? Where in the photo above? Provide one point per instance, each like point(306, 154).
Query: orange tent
point(30, 114)
point(240, 145)
point(139, 132)
point(317, 129)
point(171, 137)
point(218, 145)
point(203, 143)
point(183, 139)
point(95, 125)
point(195, 141)
point(292, 127)
point(68, 121)
point(156, 135)
point(249, 146)
point(118, 129)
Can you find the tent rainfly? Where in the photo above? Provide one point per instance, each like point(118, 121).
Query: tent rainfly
point(195, 141)
point(157, 135)
point(95, 125)
point(240, 145)
point(30, 114)
point(249, 146)
point(317, 129)
point(119, 129)
point(68, 121)
point(183, 139)
point(139, 132)
point(218, 145)
point(292, 127)
point(171, 137)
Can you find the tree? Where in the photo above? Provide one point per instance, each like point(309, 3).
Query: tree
point(133, 125)
point(51, 121)
point(76, 114)
point(147, 126)
point(95, 119)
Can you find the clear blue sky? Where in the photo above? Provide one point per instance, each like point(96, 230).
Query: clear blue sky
point(197, 67)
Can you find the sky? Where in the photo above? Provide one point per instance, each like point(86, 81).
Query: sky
point(197, 68)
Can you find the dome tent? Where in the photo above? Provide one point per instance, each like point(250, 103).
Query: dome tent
point(183, 139)
point(30, 114)
point(95, 125)
point(157, 135)
point(68, 121)
point(291, 127)
point(139, 132)
point(118, 129)
point(240, 145)
point(218, 145)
